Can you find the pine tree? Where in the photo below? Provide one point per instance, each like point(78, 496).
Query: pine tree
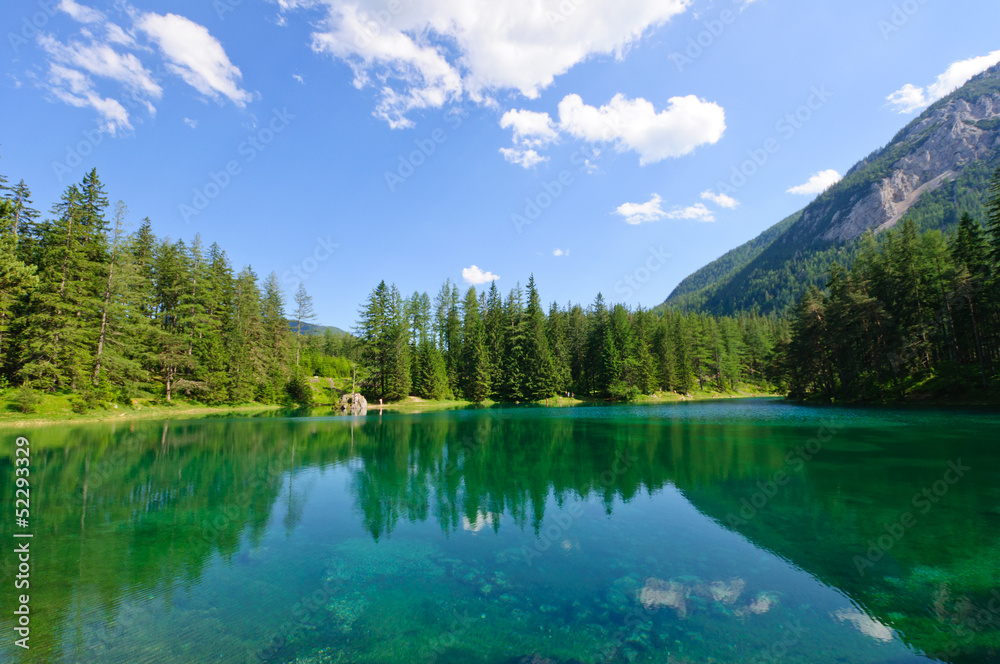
point(474, 369)
point(304, 314)
point(16, 278)
point(58, 330)
point(537, 370)
point(275, 332)
point(122, 329)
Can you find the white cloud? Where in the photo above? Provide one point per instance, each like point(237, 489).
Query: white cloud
point(634, 124)
point(639, 213)
point(817, 184)
point(80, 13)
point(652, 210)
point(696, 212)
point(76, 89)
point(102, 60)
point(523, 158)
point(560, 252)
point(195, 55)
point(476, 276)
point(298, 77)
point(910, 98)
point(191, 123)
point(722, 200)
point(531, 129)
point(424, 53)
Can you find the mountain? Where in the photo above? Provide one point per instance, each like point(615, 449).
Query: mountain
point(311, 328)
point(938, 167)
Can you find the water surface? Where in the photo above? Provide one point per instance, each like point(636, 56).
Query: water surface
point(753, 531)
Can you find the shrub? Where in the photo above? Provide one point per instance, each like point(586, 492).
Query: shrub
point(26, 400)
point(299, 391)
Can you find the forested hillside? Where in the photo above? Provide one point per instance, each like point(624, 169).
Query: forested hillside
point(932, 172)
point(89, 309)
point(484, 346)
point(92, 310)
point(916, 312)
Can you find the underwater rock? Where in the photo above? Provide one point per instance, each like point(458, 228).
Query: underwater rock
point(865, 624)
point(726, 593)
point(658, 593)
point(346, 611)
point(621, 596)
point(760, 605)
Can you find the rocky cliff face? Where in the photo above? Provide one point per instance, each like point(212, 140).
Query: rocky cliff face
point(952, 147)
point(947, 139)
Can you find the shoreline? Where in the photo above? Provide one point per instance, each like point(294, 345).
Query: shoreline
point(148, 413)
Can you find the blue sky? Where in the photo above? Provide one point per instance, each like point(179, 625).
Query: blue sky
point(594, 143)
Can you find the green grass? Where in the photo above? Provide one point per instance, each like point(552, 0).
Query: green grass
point(59, 408)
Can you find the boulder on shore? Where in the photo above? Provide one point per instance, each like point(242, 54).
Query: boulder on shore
point(355, 404)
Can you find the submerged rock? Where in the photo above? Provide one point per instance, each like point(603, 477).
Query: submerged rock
point(658, 593)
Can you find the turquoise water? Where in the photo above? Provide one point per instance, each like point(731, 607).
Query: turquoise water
point(752, 531)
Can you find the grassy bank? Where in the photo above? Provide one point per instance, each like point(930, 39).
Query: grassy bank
point(52, 409)
point(64, 409)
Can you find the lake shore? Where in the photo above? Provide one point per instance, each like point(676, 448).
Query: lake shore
point(185, 410)
point(55, 412)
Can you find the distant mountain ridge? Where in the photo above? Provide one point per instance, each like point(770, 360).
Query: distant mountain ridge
point(933, 170)
point(312, 328)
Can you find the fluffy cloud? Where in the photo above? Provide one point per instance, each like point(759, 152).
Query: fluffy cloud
point(80, 13)
point(910, 98)
point(560, 252)
point(627, 124)
point(476, 276)
point(817, 184)
point(722, 200)
point(652, 210)
point(102, 52)
point(523, 158)
point(102, 60)
point(424, 53)
point(634, 124)
point(640, 213)
point(531, 129)
point(77, 89)
point(195, 55)
point(696, 212)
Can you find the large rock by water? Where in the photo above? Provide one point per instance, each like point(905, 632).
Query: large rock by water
point(355, 403)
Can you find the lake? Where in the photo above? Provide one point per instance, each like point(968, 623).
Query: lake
point(731, 531)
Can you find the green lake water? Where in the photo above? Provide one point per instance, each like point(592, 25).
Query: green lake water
point(721, 532)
